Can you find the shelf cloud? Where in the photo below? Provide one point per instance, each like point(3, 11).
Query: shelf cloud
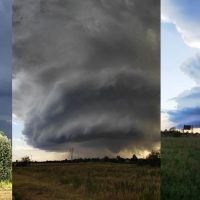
point(87, 72)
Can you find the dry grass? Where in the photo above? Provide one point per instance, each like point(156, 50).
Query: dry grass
point(87, 181)
point(5, 191)
point(5, 194)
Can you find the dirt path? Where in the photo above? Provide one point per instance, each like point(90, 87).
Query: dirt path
point(5, 194)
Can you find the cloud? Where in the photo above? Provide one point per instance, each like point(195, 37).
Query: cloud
point(5, 67)
point(6, 126)
point(186, 18)
point(192, 68)
point(188, 108)
point(186, 116)
point(2, 7)
point(87, 73)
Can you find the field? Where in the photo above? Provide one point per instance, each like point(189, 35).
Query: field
point(180, 168)
point(87, 181)
point(5, 191)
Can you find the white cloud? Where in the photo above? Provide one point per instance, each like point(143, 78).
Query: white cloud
point(165, 122)
point(185, 17)
point(21, 149)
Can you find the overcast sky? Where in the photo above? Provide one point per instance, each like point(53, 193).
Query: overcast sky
point(86, 74)
point(180, 66)
point(5, 66)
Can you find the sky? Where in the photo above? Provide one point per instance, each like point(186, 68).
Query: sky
point(86, 74)
point(5, 67)
point(180, 63)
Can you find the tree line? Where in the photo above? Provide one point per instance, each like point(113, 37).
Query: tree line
point(177, 133)
point(152, 159)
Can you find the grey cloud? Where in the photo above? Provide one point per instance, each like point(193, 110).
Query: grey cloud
point(5, 67)
point(188, 109)
point(192, 68)
point(87, 73)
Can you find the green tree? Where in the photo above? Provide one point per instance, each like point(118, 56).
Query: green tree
point(26, 159)
point(5, 158)
point(154, 155)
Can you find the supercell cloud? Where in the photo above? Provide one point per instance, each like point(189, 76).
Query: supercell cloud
point(87, 73)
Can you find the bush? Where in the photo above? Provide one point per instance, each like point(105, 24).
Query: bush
point(26, 161)
point(5, 158)
point(154, 155)
point(154, 158)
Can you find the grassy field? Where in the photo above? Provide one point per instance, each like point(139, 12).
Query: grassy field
point(87, 181)
point(180, 168)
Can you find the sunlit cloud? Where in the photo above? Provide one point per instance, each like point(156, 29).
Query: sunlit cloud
point(185, 16)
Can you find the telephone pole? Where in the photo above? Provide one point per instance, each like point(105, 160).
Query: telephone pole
point(71, 150)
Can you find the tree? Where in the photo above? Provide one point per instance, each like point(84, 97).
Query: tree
point(5, 158)
point(120, 159)
point(154, 158)
point(26, 161)
point(154, 155)
point(134, 158)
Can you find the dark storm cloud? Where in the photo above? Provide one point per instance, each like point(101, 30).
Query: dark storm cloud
point(87, 72)
point(5, 67)
point(188, 108)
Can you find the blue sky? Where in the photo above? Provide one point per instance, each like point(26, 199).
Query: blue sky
point(5, 66)
point(180, 43)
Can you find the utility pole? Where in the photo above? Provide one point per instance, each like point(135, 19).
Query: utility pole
point(71, 150)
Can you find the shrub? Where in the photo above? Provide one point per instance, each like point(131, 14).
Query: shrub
point(154, 158)
point(5, 158)
point(26, 161)
point(154, 155)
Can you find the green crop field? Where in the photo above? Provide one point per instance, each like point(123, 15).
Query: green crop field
point(180, 168)
point(87, 181)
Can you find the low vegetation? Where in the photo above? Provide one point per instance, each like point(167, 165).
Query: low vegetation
point(5, 168)
point(87, 181)
point(5, 158)
point(152, 159)
point(180, 165)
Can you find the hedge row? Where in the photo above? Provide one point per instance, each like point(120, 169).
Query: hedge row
point(5, 158)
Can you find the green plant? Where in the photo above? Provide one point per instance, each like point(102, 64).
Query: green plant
point(5, 158)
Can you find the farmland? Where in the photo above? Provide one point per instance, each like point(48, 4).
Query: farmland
point(87, 181)
point(180, 168)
